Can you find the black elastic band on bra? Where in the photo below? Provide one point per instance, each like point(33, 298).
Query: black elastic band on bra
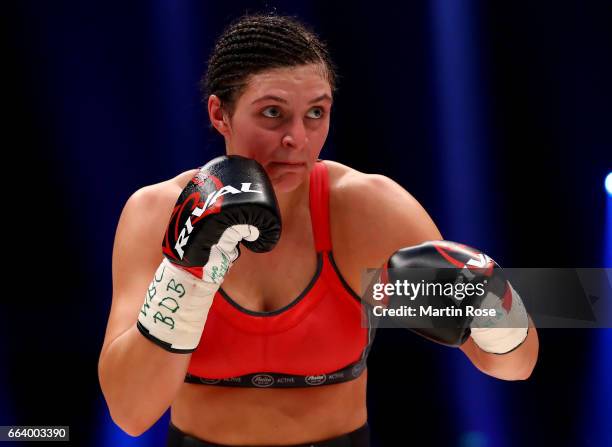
point(276, 380)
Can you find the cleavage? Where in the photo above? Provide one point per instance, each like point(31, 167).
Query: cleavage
point(266, 282)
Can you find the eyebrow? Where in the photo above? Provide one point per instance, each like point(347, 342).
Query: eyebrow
point(284, 101)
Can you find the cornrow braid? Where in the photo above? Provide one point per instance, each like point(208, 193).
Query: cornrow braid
point(255, 43)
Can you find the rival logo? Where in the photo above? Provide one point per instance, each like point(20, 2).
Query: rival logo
point(464, 257)
point(212, 198)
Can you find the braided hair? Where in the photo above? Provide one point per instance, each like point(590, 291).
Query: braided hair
point(255, 43)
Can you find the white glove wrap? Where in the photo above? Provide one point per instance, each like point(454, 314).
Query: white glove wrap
point(176, 307)
point(176, 304)
point(225, 252)
point(504, 332)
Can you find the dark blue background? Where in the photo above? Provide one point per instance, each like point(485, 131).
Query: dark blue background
point(495, 116)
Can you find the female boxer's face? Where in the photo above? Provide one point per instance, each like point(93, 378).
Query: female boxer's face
point(282, 120)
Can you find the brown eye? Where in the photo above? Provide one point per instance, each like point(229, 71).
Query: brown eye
point(275, 113)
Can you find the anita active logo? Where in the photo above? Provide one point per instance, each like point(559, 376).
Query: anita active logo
point(316, 380)
point(209, 381)
point(262, 380)
point(356, 371)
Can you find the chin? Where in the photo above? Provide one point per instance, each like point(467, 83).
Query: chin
point(287, 182)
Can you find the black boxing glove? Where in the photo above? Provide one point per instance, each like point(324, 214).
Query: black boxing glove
point(230, 200)
point(493, 313)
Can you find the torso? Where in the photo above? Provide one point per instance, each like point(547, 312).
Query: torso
point(227, 415)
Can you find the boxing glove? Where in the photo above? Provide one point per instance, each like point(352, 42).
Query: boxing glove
point(229, 201)
point(493, 314)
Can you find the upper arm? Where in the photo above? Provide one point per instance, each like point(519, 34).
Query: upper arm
point(393, 218)
point(406, 223)
point(136, 255)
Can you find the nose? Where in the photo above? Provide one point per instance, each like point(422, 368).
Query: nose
point(295, 136)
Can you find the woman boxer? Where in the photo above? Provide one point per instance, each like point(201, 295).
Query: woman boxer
point(278, 357)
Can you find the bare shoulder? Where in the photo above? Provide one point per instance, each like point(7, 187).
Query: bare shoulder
point(375, 213)
point(146, 214)
point(168, 189)
point(159, 198)
point(344, 179)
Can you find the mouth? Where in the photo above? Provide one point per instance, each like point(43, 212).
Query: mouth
point(287, 164)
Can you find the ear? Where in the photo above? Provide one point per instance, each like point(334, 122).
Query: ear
point(217, 115)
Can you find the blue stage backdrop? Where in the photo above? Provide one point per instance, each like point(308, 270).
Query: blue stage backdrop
point(495, 116)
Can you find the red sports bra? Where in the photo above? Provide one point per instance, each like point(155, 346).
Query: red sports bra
point(316, 339)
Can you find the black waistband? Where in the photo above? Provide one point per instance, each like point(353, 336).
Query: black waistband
point(276, 380)
point(357, 438)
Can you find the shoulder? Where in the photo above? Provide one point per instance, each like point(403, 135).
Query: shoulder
point(163, 190)
point(160, 195)
point(142, 225)
point(148, 209)
point(377, 212)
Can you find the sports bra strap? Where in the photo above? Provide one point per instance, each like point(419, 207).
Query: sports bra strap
point(319, 206)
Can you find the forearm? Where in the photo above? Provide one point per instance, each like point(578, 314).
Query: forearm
point(139, 380)
point(515, 365)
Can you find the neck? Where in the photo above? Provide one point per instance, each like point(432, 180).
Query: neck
point(290, 203)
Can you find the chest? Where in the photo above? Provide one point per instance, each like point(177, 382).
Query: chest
point(265, 282)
